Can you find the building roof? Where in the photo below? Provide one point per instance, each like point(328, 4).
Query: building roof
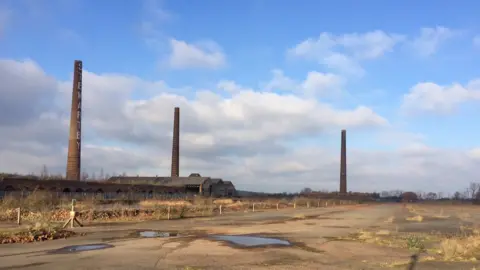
point(185, 181)
point(163, 181)
point(228, 183)
point(216, 180)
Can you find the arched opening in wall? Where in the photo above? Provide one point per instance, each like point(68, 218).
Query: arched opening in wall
point(79, 190)
point(87, 192)
point(40, 188)
point(8, 190)
point(119, 193)
point(99, 193)
point(150, 194)
point(66, 190)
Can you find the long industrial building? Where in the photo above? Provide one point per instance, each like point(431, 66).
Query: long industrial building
point(194, 183)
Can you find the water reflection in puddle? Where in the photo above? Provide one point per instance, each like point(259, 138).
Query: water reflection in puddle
point(80, 248)
point(250, 241)
point(154, 234)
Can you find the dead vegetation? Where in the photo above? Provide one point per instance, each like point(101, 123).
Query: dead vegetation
point(47, 207)
point(461, 245)
point(37, 233)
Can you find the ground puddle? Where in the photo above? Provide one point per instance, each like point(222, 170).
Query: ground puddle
point(154, 234)
point(250, 241)
point(79, 248)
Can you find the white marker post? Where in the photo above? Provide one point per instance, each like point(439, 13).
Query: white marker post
point(18, 215)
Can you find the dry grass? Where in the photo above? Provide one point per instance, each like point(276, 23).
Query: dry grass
point(36, 233)
point(416, 218)
point(155, 203)
point(390, 219)
point(299, 216)
point(46, 207)
point(439, 247)
point(460, 249)
point(464, 216)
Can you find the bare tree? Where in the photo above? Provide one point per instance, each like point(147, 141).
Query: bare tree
point(396, 193)
point(457, 196)
point(306, 190)
point(431, 196)
point(473, 188)
point(44, 173)
point(102, 177)
point(93, 176)
point(84, 176)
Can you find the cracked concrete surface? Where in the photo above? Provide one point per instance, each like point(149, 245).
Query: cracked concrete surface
point(309, 230)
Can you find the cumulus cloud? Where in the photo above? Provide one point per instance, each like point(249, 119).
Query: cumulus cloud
point(430, 39)
point(315, 84)
point(431, 97)
point(261, 140)
point(185, 55)
point(26, 91)
point(344, 52)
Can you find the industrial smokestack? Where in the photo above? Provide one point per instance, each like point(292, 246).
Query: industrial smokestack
point(176, 144)
point(343, 164)
point(75, 137)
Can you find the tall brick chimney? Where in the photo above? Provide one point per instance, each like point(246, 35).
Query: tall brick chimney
point(176, 144)
point(343, 163)
point(75, 137)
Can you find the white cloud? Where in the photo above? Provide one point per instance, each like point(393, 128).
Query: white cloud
point(231, 87)
point(321, 83)
point(156, 10)
point(343, 63)
point(280, 82)
point(431, 97)
point(344, 52)
point(185, 55)
point(253, 137)
point(316, 84)
point(430, 39)
point(369, 45)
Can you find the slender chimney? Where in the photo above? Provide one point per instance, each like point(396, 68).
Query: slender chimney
point(75, 137)
point(176, 144)
point(343, 163)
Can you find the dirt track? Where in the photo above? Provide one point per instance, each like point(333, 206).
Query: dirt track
point(309, 230)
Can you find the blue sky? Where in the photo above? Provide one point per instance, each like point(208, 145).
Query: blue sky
point(133, 38)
